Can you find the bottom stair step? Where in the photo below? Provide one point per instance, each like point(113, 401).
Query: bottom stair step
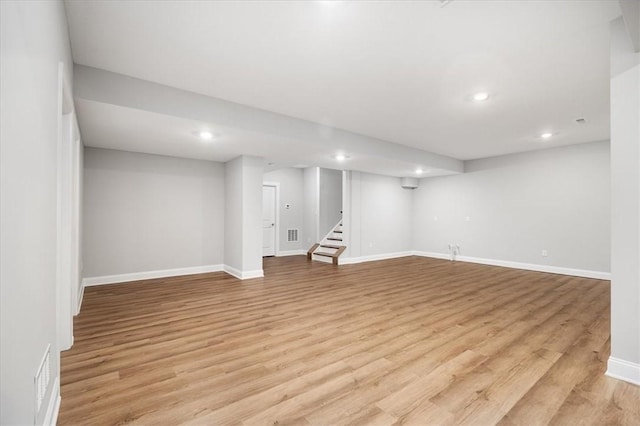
point(322, 253)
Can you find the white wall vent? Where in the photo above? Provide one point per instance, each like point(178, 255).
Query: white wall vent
point(42, 378)
point(292, 235)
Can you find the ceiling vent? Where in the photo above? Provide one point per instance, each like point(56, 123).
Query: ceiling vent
point(409, 183)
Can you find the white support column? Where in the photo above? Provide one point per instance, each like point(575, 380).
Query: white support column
point(624, 362)
point(243, 217)
point(346, 211)
point(311, 206)
point(353, 215)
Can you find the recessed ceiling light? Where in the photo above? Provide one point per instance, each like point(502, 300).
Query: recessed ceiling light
point(205, 135)
point(546, 135)
point(480, 96)
point(340, 157)
point(419, 171)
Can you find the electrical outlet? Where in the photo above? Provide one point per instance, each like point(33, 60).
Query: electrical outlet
point(544, 253)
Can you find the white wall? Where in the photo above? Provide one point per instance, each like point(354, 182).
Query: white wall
point(512, 207)
point(147, 212)
point(33, 41)
point(379, 217)
point(330, 200)
point(385, 215)
point(243, 216)
point(625, 225)
point(311, 180)
point(291, 186)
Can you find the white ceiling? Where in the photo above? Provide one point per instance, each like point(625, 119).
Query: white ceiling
point(397, 71)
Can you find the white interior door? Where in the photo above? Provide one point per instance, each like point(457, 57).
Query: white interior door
point(268, 221)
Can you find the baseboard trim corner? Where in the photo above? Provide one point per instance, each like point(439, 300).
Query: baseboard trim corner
point(243, 275)
point(599, 275)
point(623, 370)
point(136, 276)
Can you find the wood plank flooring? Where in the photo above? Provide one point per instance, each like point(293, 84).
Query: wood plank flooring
point(403, 341)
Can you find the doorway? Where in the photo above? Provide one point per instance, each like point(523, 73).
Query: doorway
point(269, 219)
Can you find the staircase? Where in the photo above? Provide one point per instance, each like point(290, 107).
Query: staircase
point(330, 248)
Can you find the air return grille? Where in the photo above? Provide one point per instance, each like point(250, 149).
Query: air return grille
point(292, 235)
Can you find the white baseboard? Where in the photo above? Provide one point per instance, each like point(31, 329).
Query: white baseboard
point(51, 418)
point(291, 253)
point(623, 370)
point(519, 265)
point(243, 275)
point(433, 254)
point(136, 276)
point(383, 256)
point(122, 278)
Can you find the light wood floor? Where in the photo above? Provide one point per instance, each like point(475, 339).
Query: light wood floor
point(403, 341)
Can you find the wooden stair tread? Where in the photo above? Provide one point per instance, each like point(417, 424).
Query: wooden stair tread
point(331, 246)
point(334, 239)
point(325, 254)
point(338, 232)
